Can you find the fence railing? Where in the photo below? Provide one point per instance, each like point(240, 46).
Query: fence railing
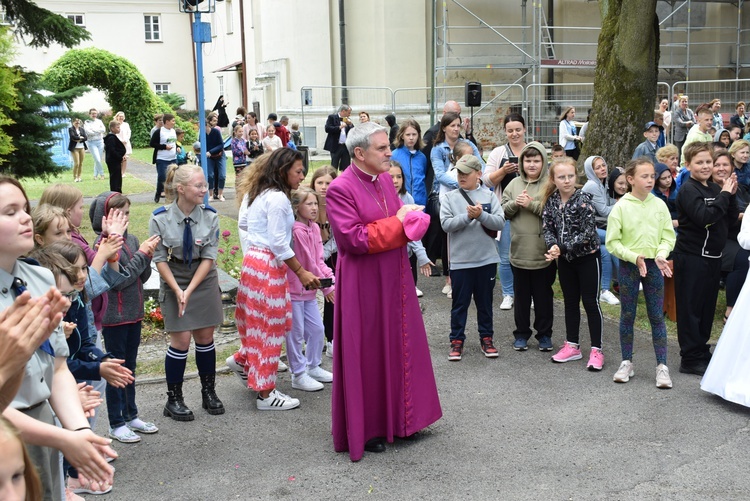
point(540, 104)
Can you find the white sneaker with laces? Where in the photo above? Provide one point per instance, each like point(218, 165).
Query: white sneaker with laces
point(320, 375)
point(625, 372)
point(276, 401)
point(237, 369)
point(608, 297)
point(282, 367)
point(663, 380)
point(419, 292)
point(446, 289)
point(305, 383)
point(329, 349)
point(507, 303)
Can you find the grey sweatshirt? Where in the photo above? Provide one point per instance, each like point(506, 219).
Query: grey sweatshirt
point(469, 245)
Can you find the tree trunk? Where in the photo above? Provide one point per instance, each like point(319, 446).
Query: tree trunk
point(627, 65)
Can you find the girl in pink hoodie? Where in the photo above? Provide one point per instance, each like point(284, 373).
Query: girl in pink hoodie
point(307, 324)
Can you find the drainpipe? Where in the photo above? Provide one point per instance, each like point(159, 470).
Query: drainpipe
point(342, 48)
point(244, 60)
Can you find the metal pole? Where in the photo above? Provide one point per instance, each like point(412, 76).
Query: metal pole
point(201, 96)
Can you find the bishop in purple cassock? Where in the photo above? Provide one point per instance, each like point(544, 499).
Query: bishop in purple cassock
point(383, 385)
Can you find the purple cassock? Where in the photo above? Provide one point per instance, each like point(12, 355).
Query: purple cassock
point(383, 384)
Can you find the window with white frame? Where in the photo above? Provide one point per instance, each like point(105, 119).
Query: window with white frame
point(152, 27)
point(221, 84)
point(161, 88)
point(77, 19)
point(230, 17)
point(4, 18)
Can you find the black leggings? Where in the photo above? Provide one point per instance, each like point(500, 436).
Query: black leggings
point(579, 281)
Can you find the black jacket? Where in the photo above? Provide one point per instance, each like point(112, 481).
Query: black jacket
point(114, 149)
point(705, 214)
point(77, 135)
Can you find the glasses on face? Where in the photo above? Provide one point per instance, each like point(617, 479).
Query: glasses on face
point(71, 296)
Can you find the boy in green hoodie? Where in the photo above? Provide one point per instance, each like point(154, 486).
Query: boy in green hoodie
point(533, 275)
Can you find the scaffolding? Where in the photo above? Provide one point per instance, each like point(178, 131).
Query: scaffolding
point(470, 42)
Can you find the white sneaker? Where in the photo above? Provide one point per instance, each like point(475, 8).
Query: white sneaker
point(608, 297)
point(276, 401)
point(320, 375)
point(305, 383)
point(446, 289)
point(663, 380)
point(625, 372)
point(419, 292)
point(507, 303)
point(237, 369)
point(282, 367)
point(329, 349)
point(450, 294)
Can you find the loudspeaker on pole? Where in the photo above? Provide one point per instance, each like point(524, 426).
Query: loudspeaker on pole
point(473, 94)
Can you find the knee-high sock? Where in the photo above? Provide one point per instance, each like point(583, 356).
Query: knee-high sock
point(174, 365)
point(205, 358)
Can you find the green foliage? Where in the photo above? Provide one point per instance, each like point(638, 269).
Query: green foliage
point(32, 129)
point(124, 86)
point(175, 101)
point(9, 77)
point(43, 26)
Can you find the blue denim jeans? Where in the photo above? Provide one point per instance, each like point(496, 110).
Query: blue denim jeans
point(609, 261)
point(122, 341)
point(161, 177)
point(506, 272)
point(96, 147)
point(217, 173)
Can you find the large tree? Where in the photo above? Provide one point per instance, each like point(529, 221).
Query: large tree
point(627, 65)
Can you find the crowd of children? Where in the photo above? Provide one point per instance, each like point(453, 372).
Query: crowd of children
point(625, 230)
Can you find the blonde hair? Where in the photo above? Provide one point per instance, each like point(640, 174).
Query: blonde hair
point(61, 195)
point(663, 153)
point(550, 187)
point(300, 195)
point(30, 475)
point(44, 216)
point(178, 175)
point(565, 112)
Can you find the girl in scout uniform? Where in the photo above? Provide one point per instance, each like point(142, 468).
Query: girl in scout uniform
point(189, 295)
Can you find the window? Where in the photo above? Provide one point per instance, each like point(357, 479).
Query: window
point(161, 88)
point(221, 84)
point(4, 18)
point(77, 19)
point(230, 17)
point(152, 25)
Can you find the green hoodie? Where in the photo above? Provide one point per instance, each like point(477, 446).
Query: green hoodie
point(640, 228)
point(527, 245)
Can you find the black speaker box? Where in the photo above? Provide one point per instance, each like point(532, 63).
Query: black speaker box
point(473, 94)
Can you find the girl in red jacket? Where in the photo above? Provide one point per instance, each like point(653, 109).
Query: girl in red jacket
point(307, 324)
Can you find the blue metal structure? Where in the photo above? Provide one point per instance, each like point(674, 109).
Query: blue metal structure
point(201, 35)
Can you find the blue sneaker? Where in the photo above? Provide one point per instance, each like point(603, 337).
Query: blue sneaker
point(520, 344)
point(545, 343)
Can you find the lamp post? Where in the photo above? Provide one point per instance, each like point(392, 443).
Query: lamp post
point(201, 35)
